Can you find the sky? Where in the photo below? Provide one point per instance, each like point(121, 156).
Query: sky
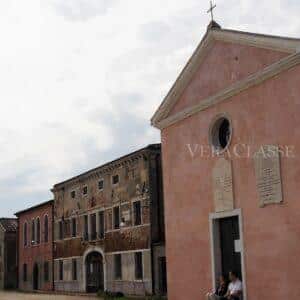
point(80, 79)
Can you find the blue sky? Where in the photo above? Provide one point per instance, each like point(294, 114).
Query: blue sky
point(80, 79)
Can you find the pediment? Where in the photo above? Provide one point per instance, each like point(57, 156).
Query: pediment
point(223, 59)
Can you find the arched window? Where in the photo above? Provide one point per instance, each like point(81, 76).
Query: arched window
point(46, 229)
point(25, 239)
point(32, 232)
point(38, 231)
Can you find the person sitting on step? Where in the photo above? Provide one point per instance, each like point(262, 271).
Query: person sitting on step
point(220, 291)
point(235, 288)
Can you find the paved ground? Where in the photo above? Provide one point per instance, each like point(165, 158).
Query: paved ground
point(20, 296)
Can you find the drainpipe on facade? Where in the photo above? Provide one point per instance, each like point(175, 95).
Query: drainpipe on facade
point(52, 224)
point(151, 222)
point(17, 253)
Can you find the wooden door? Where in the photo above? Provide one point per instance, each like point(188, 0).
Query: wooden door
point(230, 236)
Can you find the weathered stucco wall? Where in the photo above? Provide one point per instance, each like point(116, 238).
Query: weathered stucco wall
point(128, 284)
point(135, 184)
point(131, 174)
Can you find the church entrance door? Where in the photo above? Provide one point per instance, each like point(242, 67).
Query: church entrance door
point(229, 241)
point(226, 235)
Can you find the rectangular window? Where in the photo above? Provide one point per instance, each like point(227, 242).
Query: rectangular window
point(115, 179)
point(46, 271)
point(61, 270)
point(116, 217)
point(138, 258)
point(86, 228)
point(74, 227)
point(73, 194)
point(93, 226)
point(137, 213)
point(25, 272)
point(101, 184)
point(85, 190)
point(74, 269)
point(101, 224)
point(61, 230)
point(133, 173)
point(118, 266)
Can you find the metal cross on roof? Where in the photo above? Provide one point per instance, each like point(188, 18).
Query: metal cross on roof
point(211, 10)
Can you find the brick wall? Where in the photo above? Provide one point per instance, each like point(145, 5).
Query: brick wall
point(36, 254)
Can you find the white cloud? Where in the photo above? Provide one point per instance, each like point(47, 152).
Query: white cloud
point(80, 79)
point(81, 10)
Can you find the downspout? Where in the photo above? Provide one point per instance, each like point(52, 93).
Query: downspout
point(52, 241)
point(17, 253)
point(5, 260)
point(151, 223)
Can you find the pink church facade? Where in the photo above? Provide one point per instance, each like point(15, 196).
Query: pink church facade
point(216, 219)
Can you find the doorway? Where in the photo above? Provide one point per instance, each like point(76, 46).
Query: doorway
point(35, 277)
point(162, 263)
point(229, 237)
point(94, 272)
point(227, 245)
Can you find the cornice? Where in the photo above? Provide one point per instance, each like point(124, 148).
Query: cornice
point(275, 43)
point(100, 171)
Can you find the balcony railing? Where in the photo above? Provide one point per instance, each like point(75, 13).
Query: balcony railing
point(93, 236)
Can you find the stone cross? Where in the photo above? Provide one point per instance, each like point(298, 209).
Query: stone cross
point(211, 10)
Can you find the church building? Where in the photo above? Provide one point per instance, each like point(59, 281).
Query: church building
point(230, 132)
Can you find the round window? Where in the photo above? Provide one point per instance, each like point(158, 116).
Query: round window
point(220, 133)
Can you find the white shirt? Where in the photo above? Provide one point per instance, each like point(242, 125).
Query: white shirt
point(235, 287)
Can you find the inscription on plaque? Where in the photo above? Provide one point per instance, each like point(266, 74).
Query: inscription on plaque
point(268, 177)
point(222, 185)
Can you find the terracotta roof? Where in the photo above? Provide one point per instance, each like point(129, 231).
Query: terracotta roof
point(49, 202)
point(9, 225)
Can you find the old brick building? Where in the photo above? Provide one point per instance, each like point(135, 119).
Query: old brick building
point(35, 247)
point(231, 165)
point(109, 227)
point(8, 253)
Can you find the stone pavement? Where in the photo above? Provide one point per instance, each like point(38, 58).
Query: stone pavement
point(21, 296)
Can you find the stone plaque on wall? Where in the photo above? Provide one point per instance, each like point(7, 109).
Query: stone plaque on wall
point(126, 215)
point(222, 185)
point(267, 171)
